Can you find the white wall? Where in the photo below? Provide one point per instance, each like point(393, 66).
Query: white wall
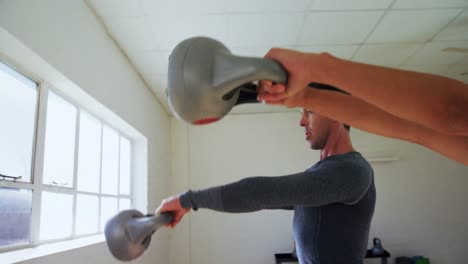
point(68, 36)
point(421, 198)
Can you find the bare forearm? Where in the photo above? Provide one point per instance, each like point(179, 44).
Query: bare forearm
point(433, 101)
point(454, 147)
point(360, 114)
point(357, 113)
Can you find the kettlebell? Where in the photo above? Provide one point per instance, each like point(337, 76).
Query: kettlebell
point(205, 81)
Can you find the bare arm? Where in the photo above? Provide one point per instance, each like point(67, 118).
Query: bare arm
point(435, 102)
point(362, 115)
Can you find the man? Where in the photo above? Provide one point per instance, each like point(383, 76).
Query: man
point(333, 201)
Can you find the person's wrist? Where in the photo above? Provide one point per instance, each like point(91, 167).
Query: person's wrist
point(186, 201)
point(307, 98)
point(325, 68)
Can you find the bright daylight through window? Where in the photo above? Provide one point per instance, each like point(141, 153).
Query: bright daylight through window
point(63, 183)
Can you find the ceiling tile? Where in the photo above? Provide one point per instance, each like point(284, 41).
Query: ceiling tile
point(338, 27)
point(456, 30)
point(153, 7)
point(258, 51)
point(429, 3)
point(250, 30)
point(433, 53)
point(349, 5)
point(464, 61)
point(463, 79)
point(431, 68)
point(459, 72)
point(172, 29)
point(411, 25)
point(341, 51)
point(385, 55)
point(267, 5)
point(119, 8)
point(182, 7)
point(132, 33)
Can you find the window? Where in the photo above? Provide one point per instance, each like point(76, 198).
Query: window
point(63, 171)
point(19, 96)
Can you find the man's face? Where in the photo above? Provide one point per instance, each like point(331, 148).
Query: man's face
point(317, 129)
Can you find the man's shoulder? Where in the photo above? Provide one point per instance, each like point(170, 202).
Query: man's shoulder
point(349, 163)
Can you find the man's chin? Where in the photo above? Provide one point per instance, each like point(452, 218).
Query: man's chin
point(315, 146)
point(312, 145)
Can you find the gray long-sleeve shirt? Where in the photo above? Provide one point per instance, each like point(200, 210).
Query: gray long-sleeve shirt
point(333, 204)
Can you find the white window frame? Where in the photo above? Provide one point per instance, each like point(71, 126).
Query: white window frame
point(36, 184)
point(29, 64)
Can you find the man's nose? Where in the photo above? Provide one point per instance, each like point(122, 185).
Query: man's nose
point(302, 122)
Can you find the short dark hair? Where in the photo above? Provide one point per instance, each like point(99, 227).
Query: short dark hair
point(321, 86)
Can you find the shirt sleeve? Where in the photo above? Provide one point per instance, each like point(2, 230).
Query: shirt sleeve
point(332, 182)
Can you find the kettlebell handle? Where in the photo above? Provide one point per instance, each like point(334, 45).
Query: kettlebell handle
point(244, 70)
point(248, 92)
point(235, 71)
point(140, 227)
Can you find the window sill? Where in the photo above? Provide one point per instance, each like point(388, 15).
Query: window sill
point(48, 249)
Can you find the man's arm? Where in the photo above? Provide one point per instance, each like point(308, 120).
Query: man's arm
point(433, 101)
point(360, 114)
point(436, 102)
point(335, 183)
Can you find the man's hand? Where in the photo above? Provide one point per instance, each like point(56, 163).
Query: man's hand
point(276, 94)
point(302, 68)
point(172, 204)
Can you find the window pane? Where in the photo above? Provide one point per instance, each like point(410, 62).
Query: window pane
point(110, 161)
point(56, 215)
point(59, 150)
point(15, 215)
point(17, 119)
point(124, 204)
point(108, 209)
point(125, 157)
point(87, 214)
point(89, 153)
